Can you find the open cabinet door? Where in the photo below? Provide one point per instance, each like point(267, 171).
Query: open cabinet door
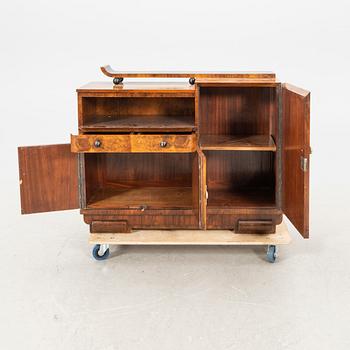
point(48, 178)
point(295, 157)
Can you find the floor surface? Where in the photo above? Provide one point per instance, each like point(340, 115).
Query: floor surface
point(55, 296)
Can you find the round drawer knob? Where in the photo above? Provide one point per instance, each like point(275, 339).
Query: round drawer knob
point(97, 143)
point(163, 144)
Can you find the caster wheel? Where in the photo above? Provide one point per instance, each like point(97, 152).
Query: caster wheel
point(117, 81)
point(271, 253)
point(96, 252)
point(192, 81)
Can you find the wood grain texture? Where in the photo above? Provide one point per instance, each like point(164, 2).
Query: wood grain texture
point(228, 219)
point(137, 89)
point(152, 222)
point(194, 237)
point(92, 214)
point(113, 124)
point(237, 142)
point(296, 145)
point(110, 72)
point(203, 189)
point(120, 226)
point(236, 82)
point(258, 197)
point(236, 110)
point(195, 184)
point(145, 169)
point(227, 115)
point(133, 143)
point(255, 226)
point(240, 170)
point(104, 109)
point(141, 198)
point(48, 178)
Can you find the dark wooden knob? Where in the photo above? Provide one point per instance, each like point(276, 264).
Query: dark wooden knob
point(163, 144)
point(97, 143)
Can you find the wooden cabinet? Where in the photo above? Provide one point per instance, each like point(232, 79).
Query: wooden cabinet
point(229, 151)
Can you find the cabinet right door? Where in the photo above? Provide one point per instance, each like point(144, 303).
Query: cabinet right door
point(296, 157)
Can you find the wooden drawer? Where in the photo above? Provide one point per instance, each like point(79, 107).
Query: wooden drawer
point(133, 143)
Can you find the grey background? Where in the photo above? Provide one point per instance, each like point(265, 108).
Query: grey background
point(54, 296)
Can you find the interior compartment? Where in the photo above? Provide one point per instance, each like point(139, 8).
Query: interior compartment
point(235, 116)
point(137, 114)
point(141, 181)
point(240, 179)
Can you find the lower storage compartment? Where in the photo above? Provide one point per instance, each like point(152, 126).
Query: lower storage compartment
point(129, 191)
point(241, 179)
point(141, 181)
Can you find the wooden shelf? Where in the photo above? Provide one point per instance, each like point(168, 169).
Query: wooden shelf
point(237, 143)
point(127, 197)
point(140, 124)
point(242, 198)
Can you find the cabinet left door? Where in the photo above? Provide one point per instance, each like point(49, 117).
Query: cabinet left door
point(48, 177)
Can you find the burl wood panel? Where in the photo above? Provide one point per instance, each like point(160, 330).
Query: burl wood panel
point(133, 143)
point(236, 111)
point(48, 178)
point(296, 145)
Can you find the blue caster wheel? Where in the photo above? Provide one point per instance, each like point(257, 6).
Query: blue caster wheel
point(96, 252)
point(271, 253)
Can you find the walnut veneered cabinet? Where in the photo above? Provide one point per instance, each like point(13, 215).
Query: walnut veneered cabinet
point(225, 151)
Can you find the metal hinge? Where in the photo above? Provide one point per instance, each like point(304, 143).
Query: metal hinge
point(304, 164)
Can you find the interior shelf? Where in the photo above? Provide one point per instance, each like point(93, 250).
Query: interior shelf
point(237, 142)
point(243, 197)
point(128, 197)
point(140, 124)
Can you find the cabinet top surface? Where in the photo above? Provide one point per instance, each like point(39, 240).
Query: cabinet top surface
point(184, 87)
point(106, 86)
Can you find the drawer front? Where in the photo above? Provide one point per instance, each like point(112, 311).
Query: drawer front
point(255, 226)
point(133, 143)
